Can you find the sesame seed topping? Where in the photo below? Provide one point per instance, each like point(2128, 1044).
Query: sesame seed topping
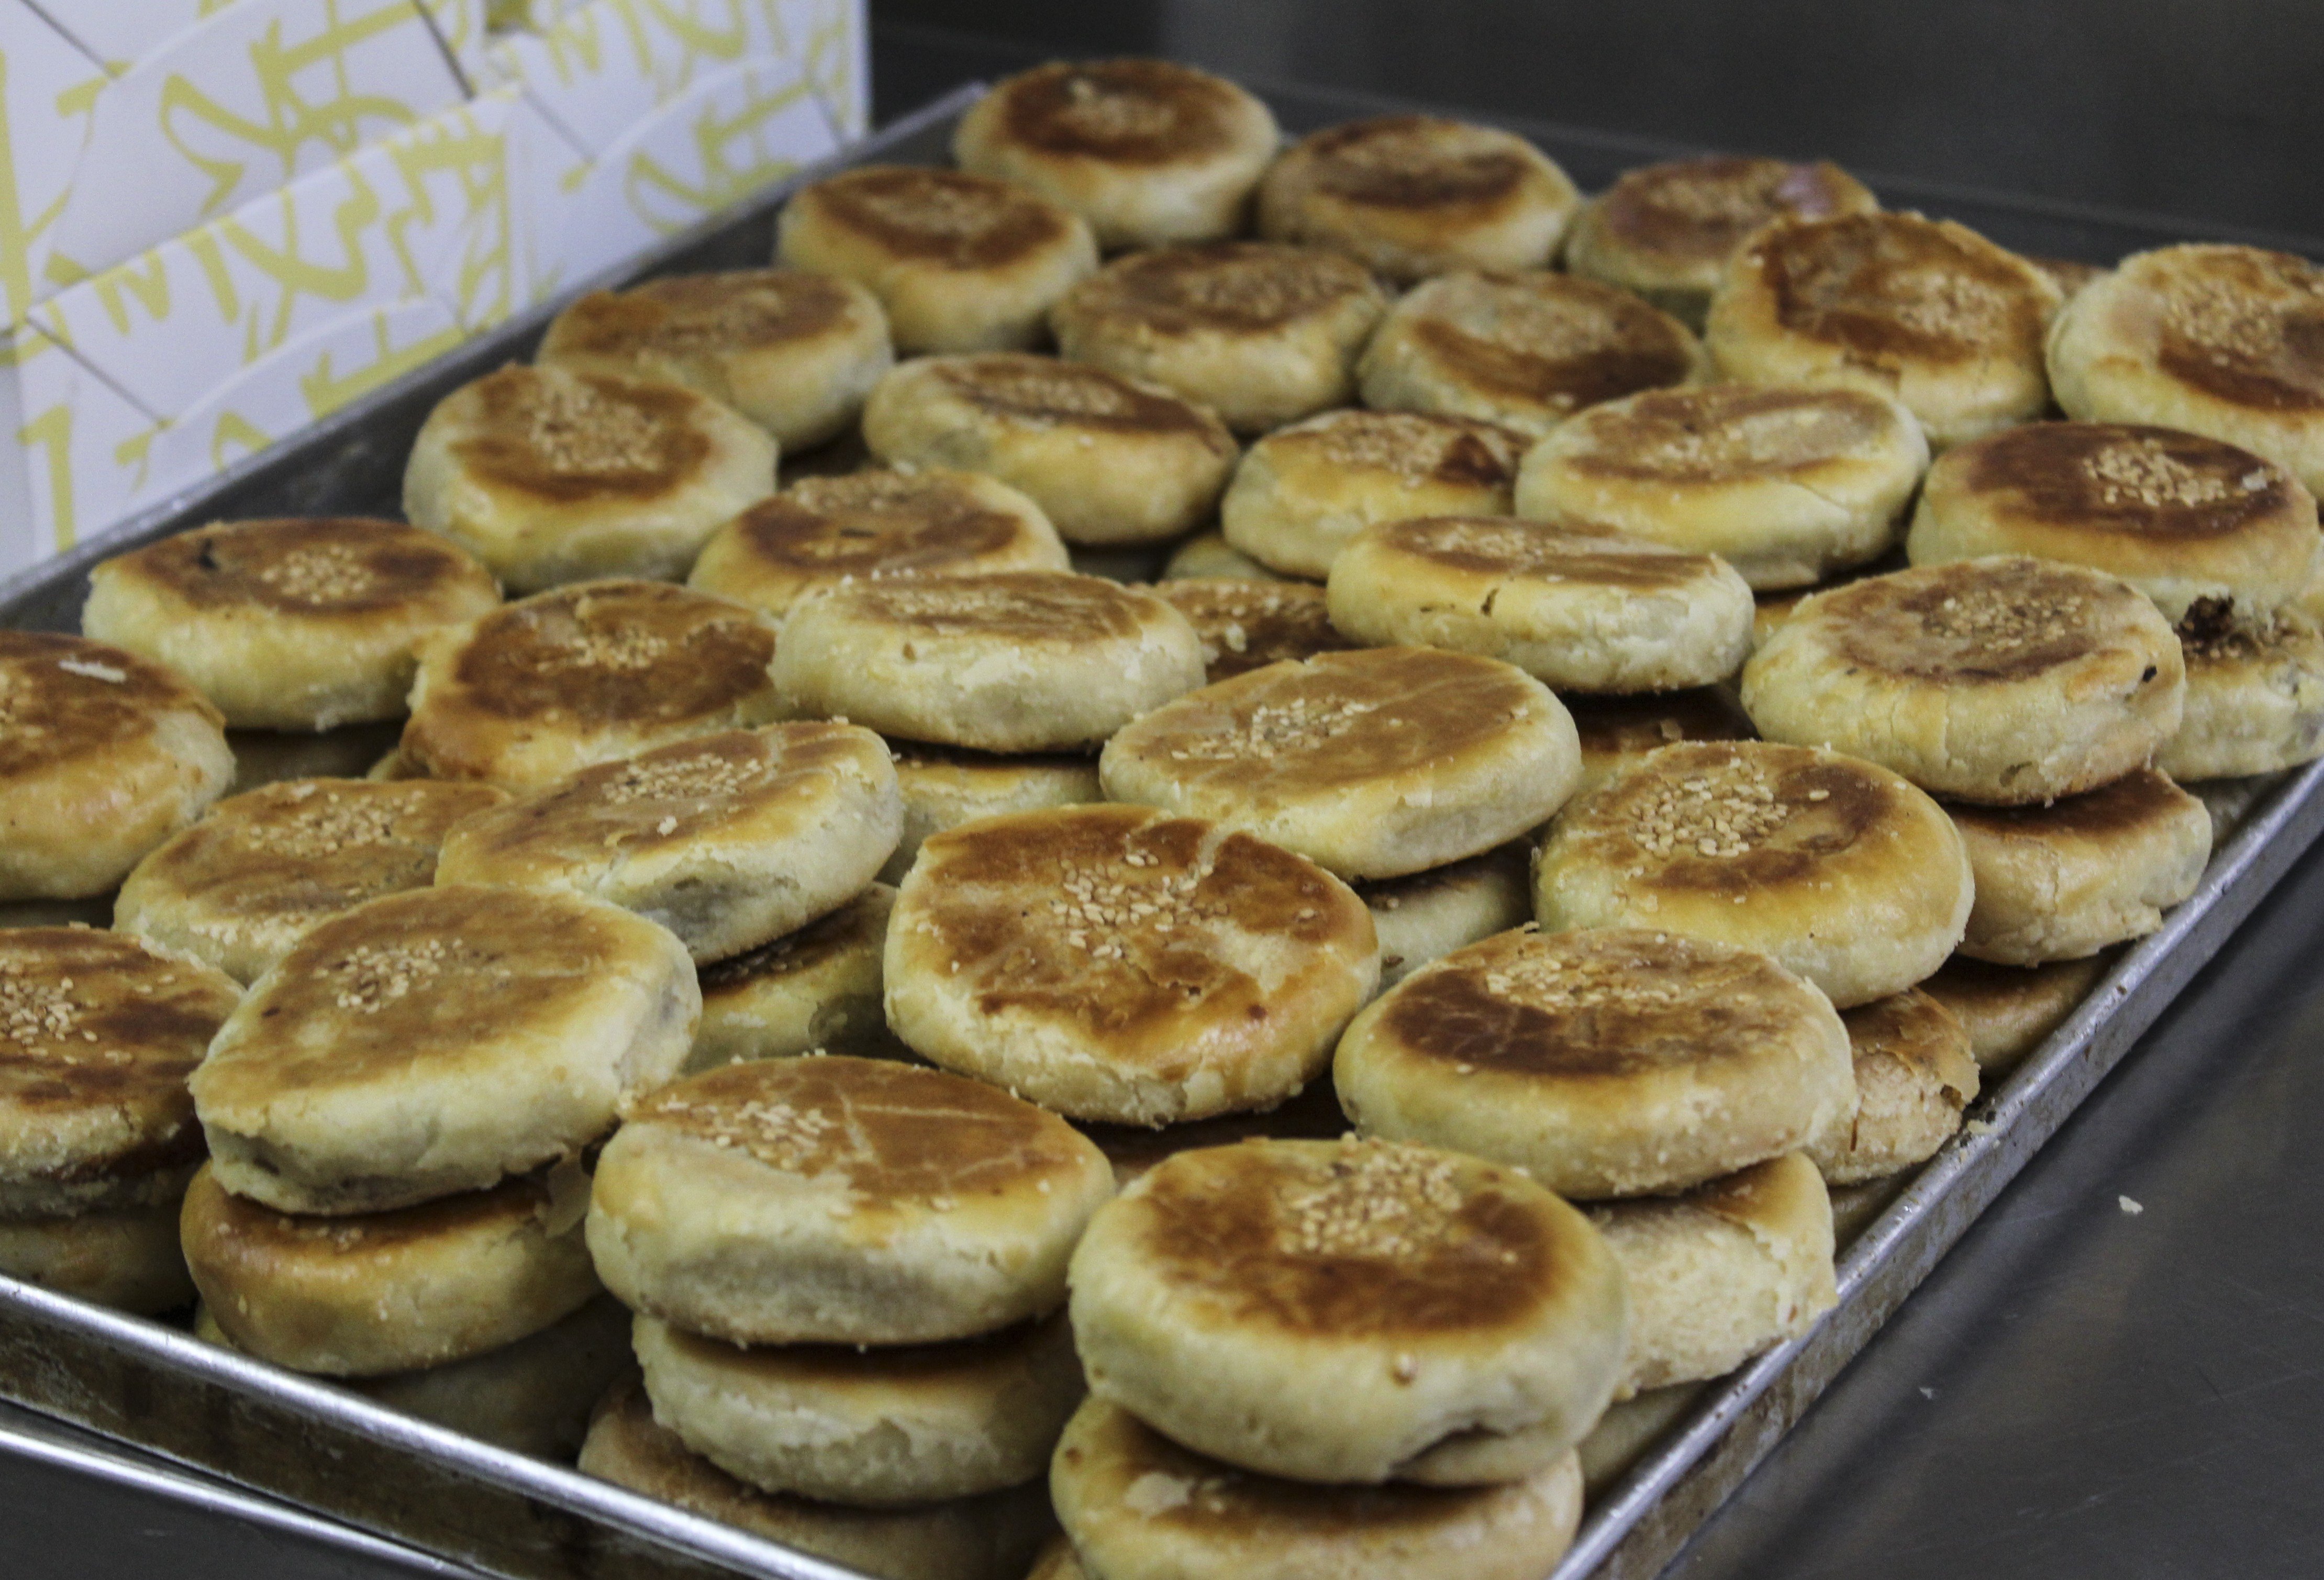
point(1377, 1200)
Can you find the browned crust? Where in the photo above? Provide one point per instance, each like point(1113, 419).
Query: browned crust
point(1050, 393)
point(1402, 163)
point(702, 315)
point(1895, 286)
point(1426, 447)
point(1917, 1032)
point(1048, 606)
point(1246, 625)
point(582, 436)
point(1569, 342)
point(1706, 434)
point(875, 523)
point(2140, 799)
point(312, 568)
point(1230, 288)
point(260, 1244)
point(1129, 112)
point(2243, 324)
point(854, 926)
point(1502, 546)
point(1972, 622)
point(2155, 483)
point(63, 697)
point(940, 218)
point(1700, 211)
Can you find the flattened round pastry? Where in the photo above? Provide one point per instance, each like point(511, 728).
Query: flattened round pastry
point(2187, 520)
point(1412, 196)
point(1839, 869)
point(1601, 1061)
point(550, 476)
point(1523, 349)
point(1246, 625)
point(244, 884)
point(97, 1034)
point(1110, 459)
point(419, 1286)
point(821, 531)
point(290, 623)
point(893, 1425)
point(1260, 333)
point(127, 1258)
point(1914, 1077)
point(1209, 557)
point(1149, 151)
point(1616, 732)
point(1925, 311)
point(1373, 764)
point(1301, 492)
point(585, 674)
point(1428, 915)
point(1028, 661)
point(727, 840)
point(2255, 698)
point(814, 990)
point(1139, 1506)
point(1789, 484)
point(103, 755)
point(1576, 606)
point(2060, 881)
point(1114, 963)
point(1331, 1311)
point(796, 352)
point(1667, 231)
point(2000, 681)
point(2008, 1011)
point(943, 787)
point(960, 262)
point(841, 1200)
point(436, 1041)
point(1716, 1276)
point(2218, 340)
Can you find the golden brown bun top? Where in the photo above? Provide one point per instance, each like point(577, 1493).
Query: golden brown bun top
point(1629, 727)
point(1504, 546)
point(1557, 338)
point(1136, 111)
point(261, 1244)
point(311, 567)
point(1052, 606)
point(1419, 445)
point(565, 437)
point(1701, 210)
point(888, 1131)
point(1233, 288)
point(877, 522)
point(2139, 798)
point(1888, 285)
point(2119, 478)
point(860, 924)
point(1917, 1031)
point(1337, 718)
point(1246, 625)
point(65, 696)
point(2240, 324)
point(1048, 392)
point(1354, 1239)
point(1417, 162)
point(698, 315)
point(1714, 433)
point(942, 218)
point(620, 650)
point(1975, 621)
point(1595, 1004)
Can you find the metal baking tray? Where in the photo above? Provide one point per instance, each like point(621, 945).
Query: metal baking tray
point(234, 1423)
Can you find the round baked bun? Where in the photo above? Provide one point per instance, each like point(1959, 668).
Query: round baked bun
point(727, 840)
point(1428, 915)
point(2255, 698)
point(1601, 1061)
point(1716, 1276)
point(2217, 340)
point(2187, 520)
point(102, 1031)
point(550, 476)
point(821, 531)
point(391, 1291)
point(2000, 681)
point(1301, 492)
point(1576, 606)
point(1331, 1311)
point(1110, 460)
point(2008, 1011)
point(1120, 964)
point(436, 1041)
point(959, 262)
point(1790, 485)
point(1524, 349)
point(1149, 151)
point(1246, 625)
point(1667, 231)
point(104, 755)
point(127, 1258)
point(796, 352)
point(1260, 333)
point(841, 1200)
point(585, 674)
point(1412, 196)
point(2060, 881)
point(1027, 660)
point(1913, 1075)
point(816, 989)
point(1841, 870)
point(896, 1425)
point(1925, 311)
point(244, 884)
point(1208, 556)
point(943, 787)
point(1371, 764)
point(1139, 1506)
point(290, 624)
point(1616, 732)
